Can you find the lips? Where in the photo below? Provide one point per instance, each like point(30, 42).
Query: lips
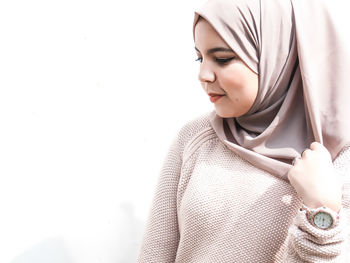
point(214, 96)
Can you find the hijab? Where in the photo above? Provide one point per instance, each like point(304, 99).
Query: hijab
point(300, 50)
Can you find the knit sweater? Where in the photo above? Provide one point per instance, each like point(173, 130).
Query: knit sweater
point(213, 206)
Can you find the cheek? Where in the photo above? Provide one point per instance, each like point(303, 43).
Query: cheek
point(232, 81)
point(240, 83)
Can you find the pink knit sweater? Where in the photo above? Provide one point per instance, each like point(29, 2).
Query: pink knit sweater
point(212, 206)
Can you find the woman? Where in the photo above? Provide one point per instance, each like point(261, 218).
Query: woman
point(266, 176)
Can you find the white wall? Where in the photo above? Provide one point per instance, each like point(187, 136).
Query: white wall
point(91, 95)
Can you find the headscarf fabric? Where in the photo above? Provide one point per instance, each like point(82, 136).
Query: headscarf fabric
point(301, 51)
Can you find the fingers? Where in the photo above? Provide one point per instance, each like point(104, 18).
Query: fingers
point(306, 153)
point(316, 146)
point(295, 160)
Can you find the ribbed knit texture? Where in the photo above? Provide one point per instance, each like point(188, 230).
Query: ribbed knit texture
point(212, 206)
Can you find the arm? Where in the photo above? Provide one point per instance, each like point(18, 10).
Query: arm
point(320, 186)
point(306, 243)
point(161, 237)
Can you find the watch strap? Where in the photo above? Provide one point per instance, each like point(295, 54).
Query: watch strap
point(310, 213)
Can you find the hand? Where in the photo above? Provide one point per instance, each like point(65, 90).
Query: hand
point(315, 180)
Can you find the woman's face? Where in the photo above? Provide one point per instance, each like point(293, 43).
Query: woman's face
point(231, 85)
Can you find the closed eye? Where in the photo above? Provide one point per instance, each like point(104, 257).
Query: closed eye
point(223, 60)
point(220, 61)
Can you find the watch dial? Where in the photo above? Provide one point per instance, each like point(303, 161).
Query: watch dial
point(323, 220)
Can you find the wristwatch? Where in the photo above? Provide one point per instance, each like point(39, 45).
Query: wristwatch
point(322, 217)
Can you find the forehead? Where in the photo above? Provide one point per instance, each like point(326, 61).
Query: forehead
point(206, 36)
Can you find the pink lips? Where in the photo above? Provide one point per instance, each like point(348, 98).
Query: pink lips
point(214, 97)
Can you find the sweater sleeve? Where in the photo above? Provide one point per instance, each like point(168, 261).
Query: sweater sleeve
point(161, 237)
point(307, 243)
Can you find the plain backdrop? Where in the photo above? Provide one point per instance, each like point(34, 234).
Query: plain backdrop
point(91, 95)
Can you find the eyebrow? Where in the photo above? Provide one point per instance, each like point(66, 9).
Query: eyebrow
point(216, 49)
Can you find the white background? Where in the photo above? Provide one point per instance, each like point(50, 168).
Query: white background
point(91, 95)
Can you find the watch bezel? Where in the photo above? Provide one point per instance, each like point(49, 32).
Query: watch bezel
point(311, 213)
point(314, 215)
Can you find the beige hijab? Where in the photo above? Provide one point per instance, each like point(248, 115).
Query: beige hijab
point(300, 49)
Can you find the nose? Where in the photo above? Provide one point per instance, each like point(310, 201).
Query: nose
point(206, 74)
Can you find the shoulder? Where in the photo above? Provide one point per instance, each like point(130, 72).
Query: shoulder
point(194, 126)
point(194, 133)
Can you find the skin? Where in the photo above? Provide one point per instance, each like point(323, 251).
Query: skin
point(223, 72)
point(326, 184)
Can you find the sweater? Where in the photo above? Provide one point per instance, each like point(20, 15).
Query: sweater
point(212, 206)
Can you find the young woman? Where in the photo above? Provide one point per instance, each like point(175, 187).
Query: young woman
point(266, 176)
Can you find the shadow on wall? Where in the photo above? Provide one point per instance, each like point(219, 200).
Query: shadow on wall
point(50, 250)
point(130, 234)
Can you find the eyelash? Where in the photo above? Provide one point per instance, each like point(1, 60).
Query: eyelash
point(221, 61)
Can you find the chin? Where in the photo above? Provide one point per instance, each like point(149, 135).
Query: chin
point(224, 114)
point(228, 112)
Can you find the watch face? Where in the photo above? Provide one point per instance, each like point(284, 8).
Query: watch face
point(323, 220)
